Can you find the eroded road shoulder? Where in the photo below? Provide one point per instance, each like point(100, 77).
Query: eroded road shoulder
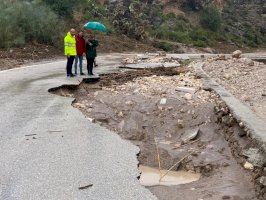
point(170, 106)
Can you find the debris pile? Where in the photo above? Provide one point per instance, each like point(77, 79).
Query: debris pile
point(150, 61)
point(165, 110)
point(186, 84)
point(243, 77)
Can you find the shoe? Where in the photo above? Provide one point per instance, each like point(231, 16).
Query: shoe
point(72, 75)
point(82, 74)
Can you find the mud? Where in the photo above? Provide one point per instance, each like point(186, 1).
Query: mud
point(153, 176)
point(145, 107)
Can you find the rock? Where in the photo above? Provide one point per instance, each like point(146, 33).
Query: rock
point(180, 123)
point(247, 61)
point(186, 90)
point(241, 125)
point(245, 98)
point(208, 50)
point(138, 136)
point(91, 119)
point(120, 114)
point(227, 76)
point(161, 53)
point(262, 180)
point(182, 110)
point(219, 57)
point(177, 145)
point(226, 197)
point(96, 93)
point(128, 61)
point(79, 105)
point(188, 96)
point(129, 103)
point(249, 166)
point(255, 157)
point(163, 101)
point(190, 134)
point(228, 120)
point(237, 54)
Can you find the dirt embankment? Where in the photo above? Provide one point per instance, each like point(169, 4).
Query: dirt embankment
point(168, 107)
point(30, 53)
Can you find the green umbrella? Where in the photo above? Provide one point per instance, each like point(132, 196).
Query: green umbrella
point(96, 26)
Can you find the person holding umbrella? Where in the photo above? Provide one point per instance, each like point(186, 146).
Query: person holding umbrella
point(92, 43)
point(70, 51)
point(91, 54)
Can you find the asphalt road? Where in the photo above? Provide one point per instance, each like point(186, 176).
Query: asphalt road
point(48, 149)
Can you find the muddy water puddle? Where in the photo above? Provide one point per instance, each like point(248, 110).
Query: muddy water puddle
point(153, 177)
point(131, 105)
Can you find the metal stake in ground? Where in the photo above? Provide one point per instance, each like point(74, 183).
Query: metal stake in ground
point(174, 166)
point(158, 152)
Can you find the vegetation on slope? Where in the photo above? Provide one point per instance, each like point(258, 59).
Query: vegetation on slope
point(46, 21)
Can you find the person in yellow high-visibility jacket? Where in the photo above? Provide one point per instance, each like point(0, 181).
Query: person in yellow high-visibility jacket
point(70, 51)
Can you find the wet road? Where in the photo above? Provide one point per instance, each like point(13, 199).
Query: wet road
point(48, 149)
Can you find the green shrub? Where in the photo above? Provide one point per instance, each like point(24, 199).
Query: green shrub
point(25, 22)
point(65, 8)
point(199, 34)
point(182, 37)
point(164, 46)
point(210, 18)
point(199, 43)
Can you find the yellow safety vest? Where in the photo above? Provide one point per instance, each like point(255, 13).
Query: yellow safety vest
point(70, 45)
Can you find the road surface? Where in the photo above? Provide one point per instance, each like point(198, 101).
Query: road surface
point(48, 149)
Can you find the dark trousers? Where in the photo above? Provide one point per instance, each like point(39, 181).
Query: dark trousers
point(70, 61)
point(90, 62)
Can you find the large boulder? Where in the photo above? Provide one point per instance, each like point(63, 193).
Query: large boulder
point(237, 54)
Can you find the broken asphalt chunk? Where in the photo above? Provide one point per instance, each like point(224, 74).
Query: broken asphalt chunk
point(190, 134)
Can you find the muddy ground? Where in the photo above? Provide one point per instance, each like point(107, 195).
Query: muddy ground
point(15, 57)
point(169, 107)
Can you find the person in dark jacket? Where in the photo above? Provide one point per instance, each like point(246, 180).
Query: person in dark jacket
point(80, 46)
point(91, 46)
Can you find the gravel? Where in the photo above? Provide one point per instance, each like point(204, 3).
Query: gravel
point(244, 78)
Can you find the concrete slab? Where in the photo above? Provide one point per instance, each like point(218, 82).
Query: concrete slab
point(148, 65)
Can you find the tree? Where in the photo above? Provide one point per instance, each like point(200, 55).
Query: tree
point(64, 8)
point(210, 18)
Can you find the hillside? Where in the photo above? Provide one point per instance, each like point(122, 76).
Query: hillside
point(171, 25)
